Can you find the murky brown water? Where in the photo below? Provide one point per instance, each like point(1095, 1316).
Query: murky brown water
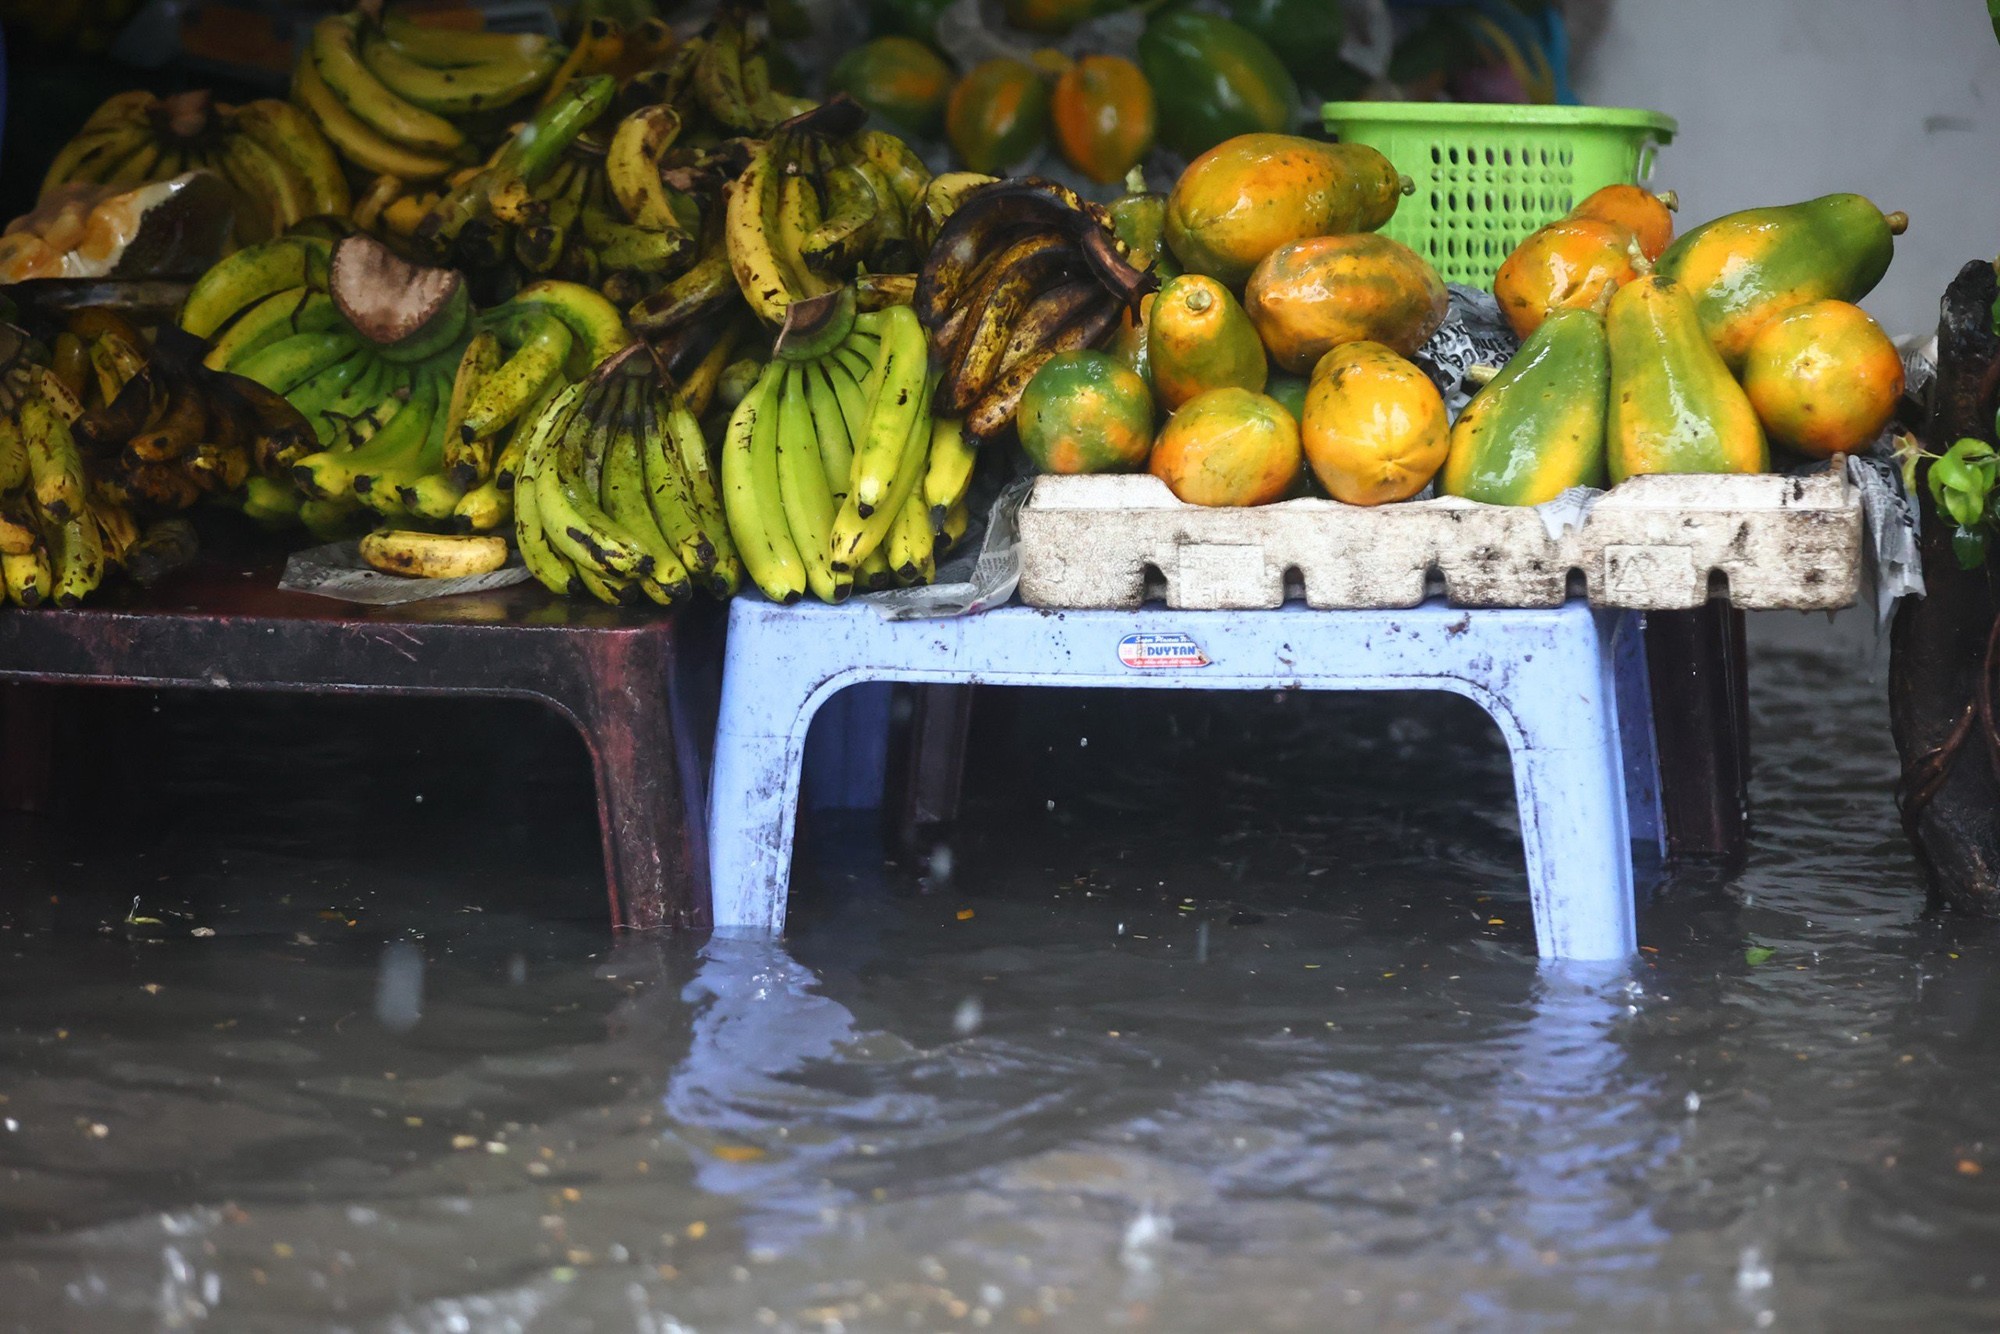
point(1242, 1031)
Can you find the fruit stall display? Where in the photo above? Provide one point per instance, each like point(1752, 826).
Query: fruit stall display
point(626, 309)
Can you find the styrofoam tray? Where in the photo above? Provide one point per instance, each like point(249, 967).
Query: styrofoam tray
point(1650, 543)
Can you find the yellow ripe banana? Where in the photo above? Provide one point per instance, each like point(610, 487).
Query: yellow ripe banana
point(803, 490)
point(451, 48)
point(53, 460)
point(76, 558)
point(874, 573)
point(856, 534)
point(549, 566)
point(484, 508)
point(285, 132)
point(752, 255)
point(836, 447)
point(13, 454)
point(433, 555)
point(704, 493)
point(750, 493)
point(911, 546)
point(597, 49)
point(27, 577)
point(355, 138)
point(957, 520)
point(896, 160)
point(510, 387)
point(625, 499)
point(458, 88)
point(433, 496)
point(902, 363)
point(18, 535)
point(381, 192)
point(92, 152)
point(336, 56)
point(948, 475)
point(594, 323)
point(632, 165)
point(469, 459)
point(136, 168)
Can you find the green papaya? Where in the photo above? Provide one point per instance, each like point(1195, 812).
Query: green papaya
point(1306, 34)
point(1140, 219)
point(1214, 79)
point(1743, 270)
point(1538, 428)
point(1674, 405)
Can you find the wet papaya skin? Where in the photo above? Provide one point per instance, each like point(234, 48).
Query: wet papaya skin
point(1104, 116)
point(1571, 264)
point(1375, 429)
point(1312, 295)
point(1128, 341)
point(1648, 216)
point(1248, 195)
point(1823, 378)
point(997, 114)
point(1228, 447)
point(1085, 412)
point(1674, 405)
point(1538, 428)
point(1198, 338)
point(1745, 269)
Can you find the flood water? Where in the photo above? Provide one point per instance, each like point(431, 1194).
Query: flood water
point(1222, 1014)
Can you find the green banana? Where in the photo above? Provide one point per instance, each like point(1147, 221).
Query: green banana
point(292, 360)
point(543, 345)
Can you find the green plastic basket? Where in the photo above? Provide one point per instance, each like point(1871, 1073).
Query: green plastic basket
point(1489, 174)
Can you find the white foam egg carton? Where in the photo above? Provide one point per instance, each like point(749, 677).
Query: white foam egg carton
point(1650, 543)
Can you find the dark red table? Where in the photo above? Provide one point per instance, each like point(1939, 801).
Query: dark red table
point(640, 685)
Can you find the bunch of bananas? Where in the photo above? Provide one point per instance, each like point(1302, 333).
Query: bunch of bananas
point(59, 528)
point(390, 95)
point(617, 498)
point(1021, 269)
point(720, 80)
point(835, 473)
point(278, 165)
point(815, 204)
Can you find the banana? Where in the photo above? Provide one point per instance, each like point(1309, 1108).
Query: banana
point(329, 474)
point(948, 474)
point(53, 460)
point(354, 137)
point(718, 78)
point(76, 558)
point(901, 367)
point(508, 465)
point(27, 577)
point(542, 347)
point(1015, 277)
point(704, 489)
point(284, 131)
point(991, 414)
point(874, 574)
point(19, 533)
point(181, 424)
point(468, 460)
point(450, 48)
point(709, 284)
point(433, 555)
point(632, 165)
point(117, 362)
point(626, 500)
point(840, 240)
point(92, 152)
point(379, 483)
point(13, 453)
point(484, 508)
point(855, 535)
point(336, 57)
point(459, 88)
point(549, 566)
point(898, 162)
point(911, 546)
point(597, 49)
point(267, 182)
point(629, 246)
point(136, 167)
point(70, 363)
point(752, 255)
point(434, 496)
point(598, 328)
point(343, 404)
point(669, 495)
point(271, 503)
point(750, 493)
point(332, 520)
point(804, 490)
point(575, 523)
point(296, 358)
point(295, 310)
point(829, 425)
point(250, 275)
point(957, 520)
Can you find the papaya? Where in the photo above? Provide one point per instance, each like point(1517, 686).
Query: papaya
point(1139, 216)
point(1054, 17)
point(1248, 195)
point(1306, 35)
point(1308, 296)
point(1290, 391)
point(1085, 412)
point(997, 114)
point(1823, 378)
point(1570, 264)
point(1674, 405)
point(1228, 447)
point(1104, 116)
point(898, 78)
point(1198, 338)
point(1745, 269)
point(1648, 216)
point(1219, 79)
point(910, 18)
point(1538, 428)
point(1375, 429)
point(1128, 341)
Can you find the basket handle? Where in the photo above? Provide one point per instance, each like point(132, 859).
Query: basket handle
point(1647, 153)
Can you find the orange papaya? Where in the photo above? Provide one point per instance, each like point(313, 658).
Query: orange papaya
point(1570, 264)
point(997, 114)
point(1743, 270)
point(1228, 447)
point(1104, 116)
point(1312, 295)
point(1248, 195)
point(1375, 429)
point(1648, 216)
point(1085, 412)
point(1674, 405)
point(1823, 378)
point(1538, 428)
point(897, 78)
point(1198, 338)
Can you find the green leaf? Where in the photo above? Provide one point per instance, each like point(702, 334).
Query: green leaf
point(1993, 9)
point(1757, 954)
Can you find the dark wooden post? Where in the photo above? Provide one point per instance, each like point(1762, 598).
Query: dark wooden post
point(1699, 668)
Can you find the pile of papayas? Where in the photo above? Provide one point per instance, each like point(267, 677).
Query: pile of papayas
point(1199, 79)
point(1277, 352)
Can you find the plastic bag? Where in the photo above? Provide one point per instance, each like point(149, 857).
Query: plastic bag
point(337, 571)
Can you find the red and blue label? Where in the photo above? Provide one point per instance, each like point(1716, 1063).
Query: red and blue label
point(1151, 651)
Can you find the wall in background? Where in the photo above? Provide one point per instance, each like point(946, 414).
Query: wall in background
point(1781, 100)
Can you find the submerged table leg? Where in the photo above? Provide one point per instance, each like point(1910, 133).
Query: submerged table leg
point(27, 745)
point(1700, 682)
